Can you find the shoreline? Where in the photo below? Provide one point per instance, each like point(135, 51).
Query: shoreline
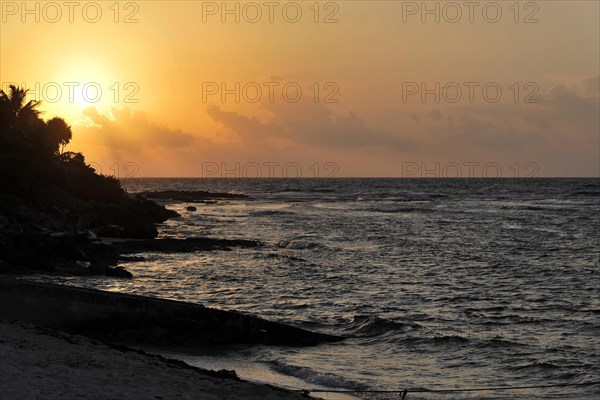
point(64, 342)
point(40, 362)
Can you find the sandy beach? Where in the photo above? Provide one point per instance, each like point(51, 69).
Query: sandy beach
point(42, 363)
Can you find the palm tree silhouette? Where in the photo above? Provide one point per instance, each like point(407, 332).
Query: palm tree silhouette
point(13, 107)
point(18, 120)
point(27, 141)
point(22, 119)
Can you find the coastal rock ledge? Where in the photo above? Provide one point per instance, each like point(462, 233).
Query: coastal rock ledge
point(141, 320)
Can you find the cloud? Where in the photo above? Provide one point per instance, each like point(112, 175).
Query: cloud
point(591, 87)
point(560, 132)
point(577, 104)
point(125, 129)
point(310, 124)
point(436, 115)
point(241, 124)
point(564, 115)
point(499, 135)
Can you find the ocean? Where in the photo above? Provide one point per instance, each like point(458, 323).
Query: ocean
point(438, 283)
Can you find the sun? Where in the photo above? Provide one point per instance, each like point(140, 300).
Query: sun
point(84, 83)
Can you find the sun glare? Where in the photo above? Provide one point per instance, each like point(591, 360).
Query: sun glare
point(82, 84)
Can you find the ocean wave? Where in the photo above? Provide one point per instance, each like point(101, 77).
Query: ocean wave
point(432, 343)
point(280, 256)
point(369, 326)
point(449, 339)
point(296, 244)
point(537, 366)
point(398, 210)
point(477, 339)
point(268, 213)
point(585, 193)
point(492, 343)
point(316, 377)
point(498, 343)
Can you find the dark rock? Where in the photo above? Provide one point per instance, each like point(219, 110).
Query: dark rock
point(119, 272)
point(51, 207)
point(103, 254)
point(77, 268)
point(56, 197)
point(70, 247)
point(140, 231)
point(191, 208)
point(97, 269)
point(39, 251)
point(110, 231)
point(225, 374)
point(91, 236)
point(145, 230)
point(130, 211)
point(142, 320)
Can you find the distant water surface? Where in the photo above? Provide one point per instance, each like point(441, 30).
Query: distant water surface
point(438, 283)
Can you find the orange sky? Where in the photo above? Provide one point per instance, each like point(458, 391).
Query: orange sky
point(154, 73)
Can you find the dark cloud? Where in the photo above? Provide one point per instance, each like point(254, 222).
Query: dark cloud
point(131, 130)
point(310, 124)
point(580, 105)
point(591, 87)
point(564, 114)
point(415, 118)
point(491, 135)
point(436, 115)
point(566, 118)
point(241, 124)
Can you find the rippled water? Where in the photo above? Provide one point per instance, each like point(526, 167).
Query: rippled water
point(438, 283)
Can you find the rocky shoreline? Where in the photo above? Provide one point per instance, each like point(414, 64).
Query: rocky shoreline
point(95, 238)
point(71, 240)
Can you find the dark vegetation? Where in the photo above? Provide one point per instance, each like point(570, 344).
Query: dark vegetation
point(52, 203)
point(33, 160)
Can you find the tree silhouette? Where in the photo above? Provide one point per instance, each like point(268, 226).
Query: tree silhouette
point(32, 156)
point(18, 114)
point(22, 120)
point(59, 133)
